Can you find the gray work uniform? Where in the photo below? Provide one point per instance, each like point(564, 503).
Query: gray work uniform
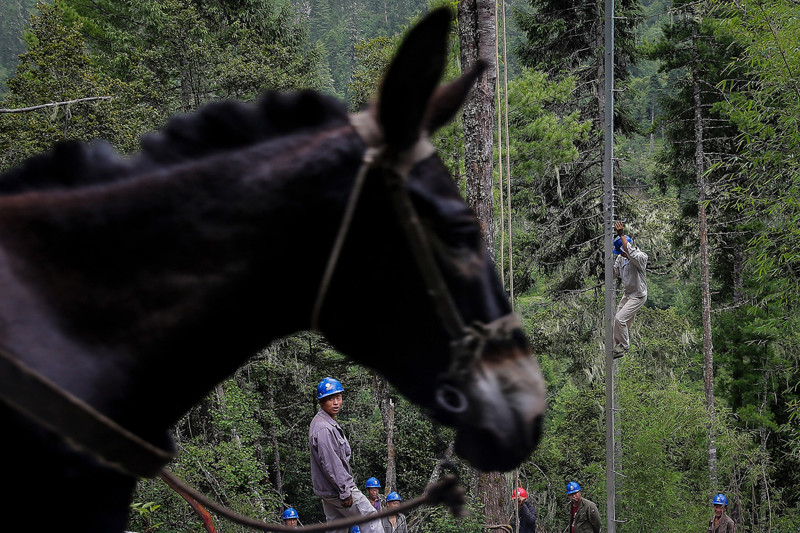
point(331, 475)
point(400, 525)
point(632, 271)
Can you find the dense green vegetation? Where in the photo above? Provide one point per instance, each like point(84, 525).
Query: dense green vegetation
point(245, 445)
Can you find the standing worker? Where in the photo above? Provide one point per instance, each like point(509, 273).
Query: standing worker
point(331, 475)
point(526, 512)
point(583, 514)
point(290, 517)
point(630, 267)
point(373, 493)
point(721, 522)
point(394, 523)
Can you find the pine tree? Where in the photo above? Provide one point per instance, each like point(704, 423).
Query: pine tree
point(565, 38)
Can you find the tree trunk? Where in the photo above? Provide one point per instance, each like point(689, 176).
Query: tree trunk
point(477, 32)
point(437, 470)
point(477, 37)
point(708, 346)
point(490, 490)
point(273, 436)
point(386, 405)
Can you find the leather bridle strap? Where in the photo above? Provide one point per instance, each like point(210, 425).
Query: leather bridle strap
point(394, 167)
point(76, 422)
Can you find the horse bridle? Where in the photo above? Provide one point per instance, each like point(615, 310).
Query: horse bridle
point(89, 431)
point(467, 341)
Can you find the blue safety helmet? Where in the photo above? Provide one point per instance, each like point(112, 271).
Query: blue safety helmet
point(573, 487)
point(327, 387)
point(720, 499)
point(372, 483)
point(355, 529)
point(393, 497)
point(618, 244)
point(289, 514)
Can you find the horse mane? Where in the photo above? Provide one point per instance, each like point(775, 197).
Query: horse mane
point(217, 127)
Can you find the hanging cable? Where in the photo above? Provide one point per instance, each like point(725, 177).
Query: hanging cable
point(508, 162)
point(500, 149)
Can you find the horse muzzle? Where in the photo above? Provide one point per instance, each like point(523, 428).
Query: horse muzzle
point(497, 410)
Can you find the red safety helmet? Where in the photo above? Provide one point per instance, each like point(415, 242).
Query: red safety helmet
point(521, 493)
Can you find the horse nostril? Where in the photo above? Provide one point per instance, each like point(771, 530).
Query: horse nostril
point(451, 399)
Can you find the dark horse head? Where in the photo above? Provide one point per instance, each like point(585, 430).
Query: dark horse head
point(136, 284)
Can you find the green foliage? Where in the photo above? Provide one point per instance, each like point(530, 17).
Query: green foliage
point(338, 27)
point(663, 459)
point(145, 513)
point(372, 59)
point(57, 67)
point(544, 140)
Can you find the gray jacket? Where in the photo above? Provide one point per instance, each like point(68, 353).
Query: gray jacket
point(399, 525)
point(331, 475)
point(632, 271)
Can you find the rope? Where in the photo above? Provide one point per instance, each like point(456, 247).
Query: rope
point(444, 492)
point(369, 158)
point(508, 163)
point(500, 154)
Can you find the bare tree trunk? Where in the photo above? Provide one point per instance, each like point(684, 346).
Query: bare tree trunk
point(437, 470)
point(478, 37)
point(273, 436)
point(705, 276)
point(386, 405)
point(652, 133)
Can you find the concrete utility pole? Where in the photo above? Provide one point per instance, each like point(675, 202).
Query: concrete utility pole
point(611, 297)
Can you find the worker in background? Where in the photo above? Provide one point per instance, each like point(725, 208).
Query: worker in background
point(290, 517)
point(583, 514)
point(526, 512)
point(331, 475)
point(373, 487)
point(721, 522)
point(630, 266)
point(395, 523)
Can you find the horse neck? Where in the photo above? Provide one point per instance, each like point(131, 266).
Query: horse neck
point(163, 284)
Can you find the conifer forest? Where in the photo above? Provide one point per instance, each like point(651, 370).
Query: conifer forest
point(706, 173)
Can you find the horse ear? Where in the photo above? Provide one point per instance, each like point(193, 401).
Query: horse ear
point(449, 98)
point(412, 78)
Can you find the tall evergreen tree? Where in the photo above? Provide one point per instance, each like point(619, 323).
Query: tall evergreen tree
point(58, 68)
point(565, 38)
point(695, 140)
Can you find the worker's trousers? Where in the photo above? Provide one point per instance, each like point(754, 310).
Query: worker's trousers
point(626, 311)
point(361, 506)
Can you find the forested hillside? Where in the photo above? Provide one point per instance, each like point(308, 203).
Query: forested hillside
point(707, 181)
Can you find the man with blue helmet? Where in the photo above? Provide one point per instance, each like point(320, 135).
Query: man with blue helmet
point(583, 514)
point(331, 475)
point(630, 266)
point(290, 517)
point(373, 487)
point(721, 522)
point(395, 523)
